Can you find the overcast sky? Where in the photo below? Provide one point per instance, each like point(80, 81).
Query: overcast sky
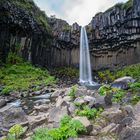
point(80, 11)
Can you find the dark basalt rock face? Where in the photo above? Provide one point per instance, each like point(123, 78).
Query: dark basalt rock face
point(44, 41)
point(115, 36)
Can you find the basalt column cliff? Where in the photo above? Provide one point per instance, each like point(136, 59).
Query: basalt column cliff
point(114, 36)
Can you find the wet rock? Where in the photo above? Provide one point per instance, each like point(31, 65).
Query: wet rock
point(86, 123)
point(2, 102)
point(45, 96)
point(37, 93)
point(122, 83)
point(56, 113)
point(42, 101)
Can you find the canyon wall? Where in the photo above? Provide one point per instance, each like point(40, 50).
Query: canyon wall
point(114, 36)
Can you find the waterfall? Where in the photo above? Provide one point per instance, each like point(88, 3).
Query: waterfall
point(85, 65)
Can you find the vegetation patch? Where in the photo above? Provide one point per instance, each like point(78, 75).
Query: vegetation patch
point(68, 128)
point(66, 71)
point(131, 70)
point(17, 75)
point(72, 91)
point(14, 132)
point(90, 113)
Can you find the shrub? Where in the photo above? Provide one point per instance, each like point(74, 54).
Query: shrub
point(72, 91)
point(88, 112)
point(68, 128)
point(23, 76)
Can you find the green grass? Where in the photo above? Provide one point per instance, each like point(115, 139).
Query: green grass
point(131, 70)
point(23, 76)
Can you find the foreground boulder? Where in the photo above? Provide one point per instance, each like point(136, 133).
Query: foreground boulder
point(10, 116)
point(122, 83)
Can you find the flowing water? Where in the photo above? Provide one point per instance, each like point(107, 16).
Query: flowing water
point(85, 64)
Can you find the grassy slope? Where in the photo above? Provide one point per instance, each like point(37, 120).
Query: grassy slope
point(23, 76)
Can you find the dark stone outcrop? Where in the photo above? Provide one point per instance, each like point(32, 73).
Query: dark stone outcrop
point(114, 35)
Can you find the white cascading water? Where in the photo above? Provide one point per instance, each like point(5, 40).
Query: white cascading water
point(85, 65)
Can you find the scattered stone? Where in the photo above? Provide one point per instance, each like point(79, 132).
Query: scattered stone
point(86, 123)
point(79, 101)
point(67, 99)
point(41, 108)
point(37, 93)
point(108, 128)
point(90, 100)
point(2, 102)
point(56, 113)
point(36, 121)
point(100, 101)
point(108, 99)
point(42, 101)
point(71, 108)
point(128, 110)
point(127, 134)
point(114, 115)
point(57, 93)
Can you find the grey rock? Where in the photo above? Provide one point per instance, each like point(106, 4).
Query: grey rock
point(90, 100)
point(42, 101)
point(79, 100)
point(56, 113)
point(122, 83)
point(108, 99)
point(86, 123)
point(2, 102)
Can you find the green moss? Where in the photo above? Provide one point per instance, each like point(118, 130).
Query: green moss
point(124, 6)
point(127, 5)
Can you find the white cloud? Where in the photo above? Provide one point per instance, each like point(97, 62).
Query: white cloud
point(81, 11)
